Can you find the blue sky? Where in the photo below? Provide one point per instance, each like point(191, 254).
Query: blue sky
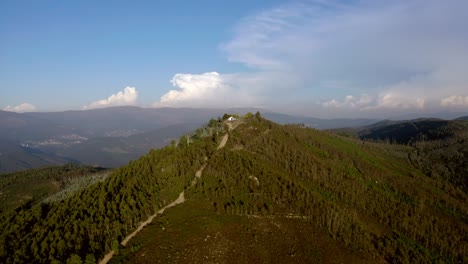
point(319, 58)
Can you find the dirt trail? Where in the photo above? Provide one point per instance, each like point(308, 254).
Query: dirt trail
point(198, 175)
point(223, 141)
point(179, 200)
point(231, 126)
point(107, 257)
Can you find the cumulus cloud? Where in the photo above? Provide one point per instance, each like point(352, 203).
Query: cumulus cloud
point(350, 102)
point(193, 87)
point(21, 108)
point(395, 101)
point(128, 96)
point(209, 89)
point(383, 101)
point(455, 100)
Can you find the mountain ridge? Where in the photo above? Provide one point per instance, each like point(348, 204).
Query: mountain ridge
point(107, 133)
point(269, 182)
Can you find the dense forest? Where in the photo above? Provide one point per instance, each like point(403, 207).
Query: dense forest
point(93, 221)
point(371, 197)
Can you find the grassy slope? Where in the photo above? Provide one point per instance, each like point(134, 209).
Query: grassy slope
point(364, 196)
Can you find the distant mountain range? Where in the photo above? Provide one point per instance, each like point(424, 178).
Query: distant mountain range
point(107, 137)
point(111, 137)
point(318, 123)
point(114, 121)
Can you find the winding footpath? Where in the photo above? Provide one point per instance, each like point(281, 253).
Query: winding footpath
point(179, 200)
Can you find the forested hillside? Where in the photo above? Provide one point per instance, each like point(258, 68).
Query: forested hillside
point(272, 183)
point(93, 221)
point(274, 193)
point(363, 194)
point(405, 132)
point(439, 147)
point(27, 188)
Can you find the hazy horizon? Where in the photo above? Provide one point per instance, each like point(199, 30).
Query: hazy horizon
point(241, 110)
point(327, 59)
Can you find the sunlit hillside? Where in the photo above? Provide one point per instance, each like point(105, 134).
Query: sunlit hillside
point(272, 192)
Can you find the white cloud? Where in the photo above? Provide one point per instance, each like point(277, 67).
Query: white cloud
point(128, 96)
point(387, 100)
point(209, 89)
point(21, 108)
point(398, 102)
point(455, 100)
point(351, 102)
point(193, 87)
point(422, 90)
